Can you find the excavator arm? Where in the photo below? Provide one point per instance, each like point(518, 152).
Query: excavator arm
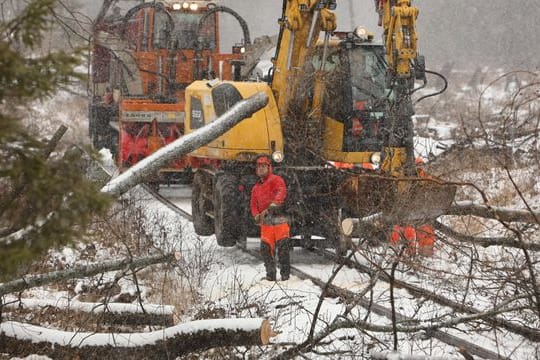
point(398, 19)
point(300, 25)
point(413, 199)
point(399, 22)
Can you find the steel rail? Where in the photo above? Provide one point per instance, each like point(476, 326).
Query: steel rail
point(349, 296)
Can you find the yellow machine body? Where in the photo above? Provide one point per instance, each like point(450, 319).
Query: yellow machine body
point(259, 134)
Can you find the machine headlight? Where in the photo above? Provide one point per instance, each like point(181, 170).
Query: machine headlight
point(361, 33)
point(193, 7)
point(375, 158)
point(185, 5)
point(277, 156)
point(238, 49)
point(177, 6)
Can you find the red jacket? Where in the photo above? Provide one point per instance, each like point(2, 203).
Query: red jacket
point(271, 189)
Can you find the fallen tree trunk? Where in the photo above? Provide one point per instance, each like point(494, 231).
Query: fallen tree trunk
point(185, 144)
point(491, 212)
point(487, 242)
point(109, 313)
point(28, 282)
point(352, 226)
point(23, 339)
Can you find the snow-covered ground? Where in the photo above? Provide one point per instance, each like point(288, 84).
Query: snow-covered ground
point(226, 282)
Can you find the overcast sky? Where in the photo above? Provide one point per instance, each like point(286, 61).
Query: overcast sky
point(469, 33)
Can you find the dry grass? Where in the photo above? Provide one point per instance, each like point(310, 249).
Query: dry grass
point(166, 287)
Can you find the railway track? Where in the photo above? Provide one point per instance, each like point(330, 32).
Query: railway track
point(349, 296)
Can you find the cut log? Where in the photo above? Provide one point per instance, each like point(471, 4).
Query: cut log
point(351, 226)
point(18, 339)
point(145, 168)
point(82, 271)
point(485, 241)
point(109, 313)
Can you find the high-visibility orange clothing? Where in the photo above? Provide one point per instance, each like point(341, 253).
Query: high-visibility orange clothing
point(404, 233)
point(270, 234)
point(425, 235)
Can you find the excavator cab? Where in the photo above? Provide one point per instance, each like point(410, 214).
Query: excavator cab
point(356, 104)
point(353, 100)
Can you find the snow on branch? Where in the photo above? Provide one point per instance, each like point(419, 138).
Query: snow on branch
point(30, 281)
point(167, 343)
point(485, 241)
point(110, 312)
point(492, 212)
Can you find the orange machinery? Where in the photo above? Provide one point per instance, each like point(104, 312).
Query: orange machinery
point(142, 61)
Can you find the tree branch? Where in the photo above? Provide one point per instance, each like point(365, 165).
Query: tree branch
point(491, 212)
point(82, 271)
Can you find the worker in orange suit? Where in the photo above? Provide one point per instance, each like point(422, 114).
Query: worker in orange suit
point(419, 240)
point(425, 234)
point(266, 203)
point(425, 237)
point(404, 234)
point(419, 161)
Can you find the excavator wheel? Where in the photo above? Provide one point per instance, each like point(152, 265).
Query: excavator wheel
point(227, 212)
point(200, 205)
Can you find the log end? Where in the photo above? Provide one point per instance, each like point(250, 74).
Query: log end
point(266, 332)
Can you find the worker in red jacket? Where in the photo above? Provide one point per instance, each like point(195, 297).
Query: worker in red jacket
point(267, 197)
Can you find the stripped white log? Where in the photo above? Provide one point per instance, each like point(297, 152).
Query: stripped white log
point(185, 144)
point(23, 339)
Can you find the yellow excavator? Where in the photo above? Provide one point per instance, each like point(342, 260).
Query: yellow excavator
point(338, 127)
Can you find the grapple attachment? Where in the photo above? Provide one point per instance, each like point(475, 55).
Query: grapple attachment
point(411, 200)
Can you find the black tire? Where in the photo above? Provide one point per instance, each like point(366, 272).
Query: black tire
point(200, 205)
point(228, 219)
point(100, 131)
point(92, 126)
point(251, 228)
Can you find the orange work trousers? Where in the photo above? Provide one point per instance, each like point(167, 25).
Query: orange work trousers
point(270, 234)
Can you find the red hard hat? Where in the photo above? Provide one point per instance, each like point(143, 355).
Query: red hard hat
point(263, 159)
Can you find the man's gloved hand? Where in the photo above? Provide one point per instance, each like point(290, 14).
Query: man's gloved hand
point(274, 209)
point(257, 218)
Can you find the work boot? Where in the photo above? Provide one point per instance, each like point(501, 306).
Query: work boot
point(284, 277)
point(269, 262)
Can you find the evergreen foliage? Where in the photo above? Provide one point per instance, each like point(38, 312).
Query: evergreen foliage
point(44, 201)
